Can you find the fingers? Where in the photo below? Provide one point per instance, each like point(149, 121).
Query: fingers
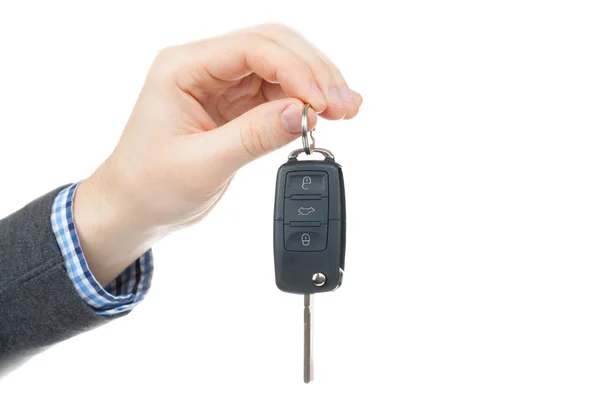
point(272, 91)
point(206, 65)
point(277, 54)
point(259, 131)
point(342, 103)
point(357, 97)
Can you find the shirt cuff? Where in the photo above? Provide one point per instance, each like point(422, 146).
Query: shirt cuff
point(120, 295)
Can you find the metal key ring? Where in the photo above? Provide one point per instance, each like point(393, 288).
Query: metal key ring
point(305, 132)
point(324, 152)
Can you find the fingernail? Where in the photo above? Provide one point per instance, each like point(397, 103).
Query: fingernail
point(335, 97)
point(291, 118)
point(317, 93)
point(347, 95)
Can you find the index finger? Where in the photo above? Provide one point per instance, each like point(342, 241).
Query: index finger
point(217, 62)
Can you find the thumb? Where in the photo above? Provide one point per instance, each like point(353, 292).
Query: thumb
point(259, 131)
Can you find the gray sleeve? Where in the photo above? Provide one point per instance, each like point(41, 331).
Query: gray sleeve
point(38, 302)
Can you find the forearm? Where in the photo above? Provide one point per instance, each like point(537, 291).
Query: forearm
point(39, 305)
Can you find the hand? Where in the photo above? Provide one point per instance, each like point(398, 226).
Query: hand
point(207, 108)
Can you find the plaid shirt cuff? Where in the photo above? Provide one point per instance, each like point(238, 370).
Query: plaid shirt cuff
point(120, 295)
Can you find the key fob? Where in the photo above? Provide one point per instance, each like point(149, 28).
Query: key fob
point(309, 229)
point(309, 226)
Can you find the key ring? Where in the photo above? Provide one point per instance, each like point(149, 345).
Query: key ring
point(324, 152)
point(306, 147)
point(305, 132)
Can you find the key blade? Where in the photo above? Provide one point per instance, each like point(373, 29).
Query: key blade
point(308, 358)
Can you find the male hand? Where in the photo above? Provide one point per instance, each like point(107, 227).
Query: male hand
point(207, 108)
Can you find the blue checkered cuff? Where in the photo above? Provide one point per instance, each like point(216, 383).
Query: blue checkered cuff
point(120, 295)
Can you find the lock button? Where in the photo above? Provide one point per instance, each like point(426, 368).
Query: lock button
point(305, 238)
point(306, 182)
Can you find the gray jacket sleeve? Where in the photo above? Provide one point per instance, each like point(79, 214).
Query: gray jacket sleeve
point(38, 302)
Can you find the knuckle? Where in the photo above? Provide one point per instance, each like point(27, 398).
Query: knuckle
point(320, 65)
point(249, 140)
point(254, 38)
point(338, 74)
point(276, 27)
point(253, 42)
point(165, 54)
point(164, 63)
point(255, 140)
point(332, 68)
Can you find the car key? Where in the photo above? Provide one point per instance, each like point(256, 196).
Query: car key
point(309, 235)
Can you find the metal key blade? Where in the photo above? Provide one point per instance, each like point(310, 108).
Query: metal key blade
point(308, 360)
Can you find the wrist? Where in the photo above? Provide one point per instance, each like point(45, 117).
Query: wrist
point(111, 234)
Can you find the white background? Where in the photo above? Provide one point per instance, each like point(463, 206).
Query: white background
point(473, 204)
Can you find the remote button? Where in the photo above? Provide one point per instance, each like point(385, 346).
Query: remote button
point(306, 238)
point(301, 210)
point(306, 182)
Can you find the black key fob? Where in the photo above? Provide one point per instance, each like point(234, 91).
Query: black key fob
point(309, 234)
point(309, 225)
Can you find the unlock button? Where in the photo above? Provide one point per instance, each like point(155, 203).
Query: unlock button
point(305, 238)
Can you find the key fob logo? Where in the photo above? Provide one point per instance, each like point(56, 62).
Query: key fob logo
point(305, 239)
point(306, 181)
